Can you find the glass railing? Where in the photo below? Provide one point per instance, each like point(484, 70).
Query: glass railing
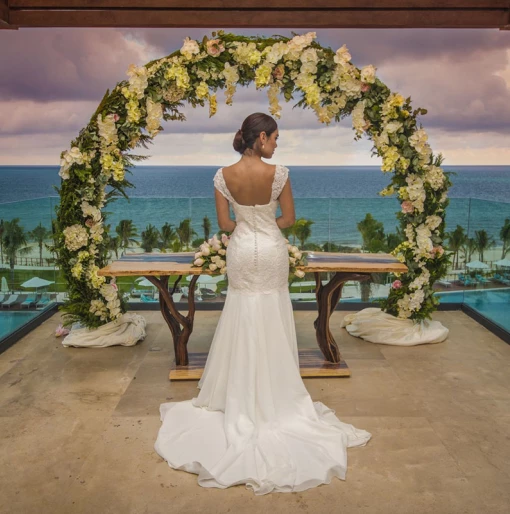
point(333, 227)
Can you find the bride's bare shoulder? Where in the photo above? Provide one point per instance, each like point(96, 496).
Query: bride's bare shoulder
point(242, 168)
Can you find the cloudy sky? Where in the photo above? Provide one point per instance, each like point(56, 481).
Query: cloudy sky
point(53, 79)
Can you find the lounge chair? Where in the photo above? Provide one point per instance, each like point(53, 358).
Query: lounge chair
point(10, 301)
point(444, 283)
point(135, 293)
point(2, 298)
point(45, 300)
point(207, 294)
point(31, 301)
point(482, 279)
point(147, 299)
point(501, 279)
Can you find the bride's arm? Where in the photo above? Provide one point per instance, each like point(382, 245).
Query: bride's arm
point(223, 213)
point(286, 199)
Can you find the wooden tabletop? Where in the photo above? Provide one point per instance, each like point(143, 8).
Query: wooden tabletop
point(180, 264)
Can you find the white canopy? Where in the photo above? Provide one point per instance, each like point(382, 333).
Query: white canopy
point(4, 287)
point(37, 282)
point(477, 265)
point(503, 262)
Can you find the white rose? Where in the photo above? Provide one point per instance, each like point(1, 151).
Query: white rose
point(199, 262)
point(213, 267)
point(198, 254)
point(299, 273)
point(298, 255)
point(342, 55)
point(205, 251)
point(189, 48)
point(294, 249)
point(368, 74)
point(393, 126)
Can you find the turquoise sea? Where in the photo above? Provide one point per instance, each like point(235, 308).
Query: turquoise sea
point(336, 198)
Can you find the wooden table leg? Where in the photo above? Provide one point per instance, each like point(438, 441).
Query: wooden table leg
point(327, 298)
point(174, 319)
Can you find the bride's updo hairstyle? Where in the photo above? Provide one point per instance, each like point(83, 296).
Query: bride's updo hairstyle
point(250, 130)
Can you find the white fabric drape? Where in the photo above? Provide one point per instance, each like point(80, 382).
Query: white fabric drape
point(125, 331)
point(376, 326)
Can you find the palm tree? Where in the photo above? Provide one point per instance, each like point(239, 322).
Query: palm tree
point(290, 231)
point(114, 245)
point(372, 233)
point(392, 241)
point(2, 228)
point(504, 235)
point(168, 235)
point(150, 238)
point(206, 225)
point(483, 242)
point(185, 233)
point(302, 229)
point(15, 242)
point(39, 234)
point(456, 241)
point(126, 232)
point(468, 248)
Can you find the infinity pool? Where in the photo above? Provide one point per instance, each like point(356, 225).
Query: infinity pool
point(11, 321)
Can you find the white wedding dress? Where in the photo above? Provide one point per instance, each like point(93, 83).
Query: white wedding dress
point(253, 421)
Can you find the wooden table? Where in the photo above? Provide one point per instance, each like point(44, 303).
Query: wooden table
point(324, 361)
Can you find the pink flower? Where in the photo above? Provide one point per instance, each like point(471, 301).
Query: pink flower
point(407, 207)
point(214, 47)
point(365, 87)
point(437, 251)
point(397, 284)
point(279, 72)
point(116, 117)
point(61, 331)
point(89, 222)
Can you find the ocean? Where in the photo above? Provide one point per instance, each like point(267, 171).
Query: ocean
point(335, 198)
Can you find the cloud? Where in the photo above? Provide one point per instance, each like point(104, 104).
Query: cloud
point(64, 64)
point(55, 78)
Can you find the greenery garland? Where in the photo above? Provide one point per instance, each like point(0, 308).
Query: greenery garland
point(324, 80)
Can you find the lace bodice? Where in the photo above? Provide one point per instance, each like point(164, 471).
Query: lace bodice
point(280, 177)
point(257, 255)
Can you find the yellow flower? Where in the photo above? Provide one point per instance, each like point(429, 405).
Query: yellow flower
point(213, 105)
point(390, 157)
point(262, 75)
point(202, 90)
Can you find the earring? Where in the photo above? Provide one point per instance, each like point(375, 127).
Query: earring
point(262, 146)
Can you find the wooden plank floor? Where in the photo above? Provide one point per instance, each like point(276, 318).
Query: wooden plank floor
point(311, 364)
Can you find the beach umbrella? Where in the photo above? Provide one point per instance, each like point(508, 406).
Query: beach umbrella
point(143, 282)
point(4, 287)
point(477, 265)
point(505, 263)
point(36, 283)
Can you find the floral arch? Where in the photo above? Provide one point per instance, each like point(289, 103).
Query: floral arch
point(325, 81)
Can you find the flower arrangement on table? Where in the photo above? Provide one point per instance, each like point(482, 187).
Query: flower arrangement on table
point(212, 256)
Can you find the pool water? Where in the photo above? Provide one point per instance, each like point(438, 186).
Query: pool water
point(494, 304)
point(11, 321)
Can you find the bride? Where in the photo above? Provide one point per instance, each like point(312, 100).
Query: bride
point(253, 421)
